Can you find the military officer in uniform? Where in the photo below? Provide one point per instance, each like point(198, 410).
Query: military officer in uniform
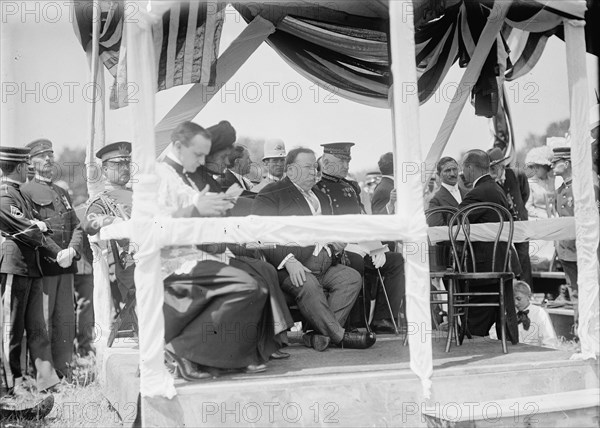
point(565, 207)
point(54, 205)
point(20, 274)
point(345, 199)
point(115, 202)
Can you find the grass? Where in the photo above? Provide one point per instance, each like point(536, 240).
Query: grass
point(78, 403)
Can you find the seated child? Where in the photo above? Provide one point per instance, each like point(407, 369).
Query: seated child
point(535, 326)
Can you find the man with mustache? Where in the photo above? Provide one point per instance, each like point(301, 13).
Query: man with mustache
point(55, 207)
point(274, 160)
point(450, 193)
point(307, 273)
point(345, 199)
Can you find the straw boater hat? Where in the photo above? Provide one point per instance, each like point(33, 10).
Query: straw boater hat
point(539, 156)
point(274, 149)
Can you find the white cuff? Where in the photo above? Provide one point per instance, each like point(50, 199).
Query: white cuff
point(284, 261)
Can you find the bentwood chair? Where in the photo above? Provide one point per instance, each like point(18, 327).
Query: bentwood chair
point(441, 264)
point(468, 277)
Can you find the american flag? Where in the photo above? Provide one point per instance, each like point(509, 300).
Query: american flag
point(186, 40)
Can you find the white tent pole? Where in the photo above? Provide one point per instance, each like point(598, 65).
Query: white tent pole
point(586, 212)
point(103, 306)
point(408, 186)
point(155, 381)
point(97, 131)
point(463, 92)
point(200, 94)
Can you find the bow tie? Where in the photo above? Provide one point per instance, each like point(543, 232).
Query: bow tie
point(522, 317)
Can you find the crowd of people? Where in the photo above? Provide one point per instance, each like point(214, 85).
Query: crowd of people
point(227, 307)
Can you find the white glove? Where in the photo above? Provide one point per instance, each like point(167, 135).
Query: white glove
point(64, 258)
point(378, 259)
point(40, 224)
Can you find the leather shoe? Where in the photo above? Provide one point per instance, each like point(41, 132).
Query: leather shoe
point(383, 327)
point(279, 355)
point(358, 340)
point(316, 341)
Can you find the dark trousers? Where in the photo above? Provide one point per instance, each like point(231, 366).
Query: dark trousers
point(523, 255)
point(25, 313)
point(60, 319)
point(393, 281)
point(84, 313)
point(327, 296)
point(214, 316)
point(570, 269)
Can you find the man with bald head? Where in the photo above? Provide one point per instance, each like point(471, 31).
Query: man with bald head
point(476, 170)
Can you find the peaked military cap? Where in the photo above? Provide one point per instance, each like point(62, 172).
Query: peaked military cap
point(561, 153)
point(14, 154)
point(340, 150)
point(40, 146)
point(115, 151)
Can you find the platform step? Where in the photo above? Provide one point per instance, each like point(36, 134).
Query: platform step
point(577, 408)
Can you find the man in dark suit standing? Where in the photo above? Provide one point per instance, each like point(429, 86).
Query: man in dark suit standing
point(516, 188)
point(307, 273)
point(476, 167)
point(381, 200)
point(450, 193)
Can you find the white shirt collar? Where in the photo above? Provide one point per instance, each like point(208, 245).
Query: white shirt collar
point(241, 179)
point(38, 177)
point(308, 195)
point(10, 180)
point(453, 191)
point(272, 177)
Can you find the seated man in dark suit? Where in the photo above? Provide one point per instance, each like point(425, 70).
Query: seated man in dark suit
point(476, 170)
point(239, 166)
point(307, 273)
point(450, 193)
point(345, 198)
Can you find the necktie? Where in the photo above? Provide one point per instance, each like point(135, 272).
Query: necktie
point(522, 317)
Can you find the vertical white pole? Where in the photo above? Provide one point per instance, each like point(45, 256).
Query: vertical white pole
point(155, 381)
point(586, 211)
point(407, 156)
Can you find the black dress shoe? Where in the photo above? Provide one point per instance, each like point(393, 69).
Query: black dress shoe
point(316, 341)
point(383, 327)
point(279, 355)
point(358, 340)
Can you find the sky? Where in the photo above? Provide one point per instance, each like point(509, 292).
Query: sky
point(46, 93)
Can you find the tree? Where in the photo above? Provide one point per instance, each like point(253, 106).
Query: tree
point(71, 170)
point(555, 129)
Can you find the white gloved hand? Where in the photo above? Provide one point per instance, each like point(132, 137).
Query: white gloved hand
point(64, 258)
point(40, 224)
point(378, 259)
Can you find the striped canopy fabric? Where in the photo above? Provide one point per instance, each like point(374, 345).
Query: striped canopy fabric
point(344, 45)
point(186, 39)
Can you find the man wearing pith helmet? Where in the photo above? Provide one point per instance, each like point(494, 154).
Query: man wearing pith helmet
point(274, 161)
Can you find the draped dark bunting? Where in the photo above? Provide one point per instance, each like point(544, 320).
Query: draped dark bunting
point(344, 44)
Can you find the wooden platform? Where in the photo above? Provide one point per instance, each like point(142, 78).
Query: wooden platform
point(372, 387)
